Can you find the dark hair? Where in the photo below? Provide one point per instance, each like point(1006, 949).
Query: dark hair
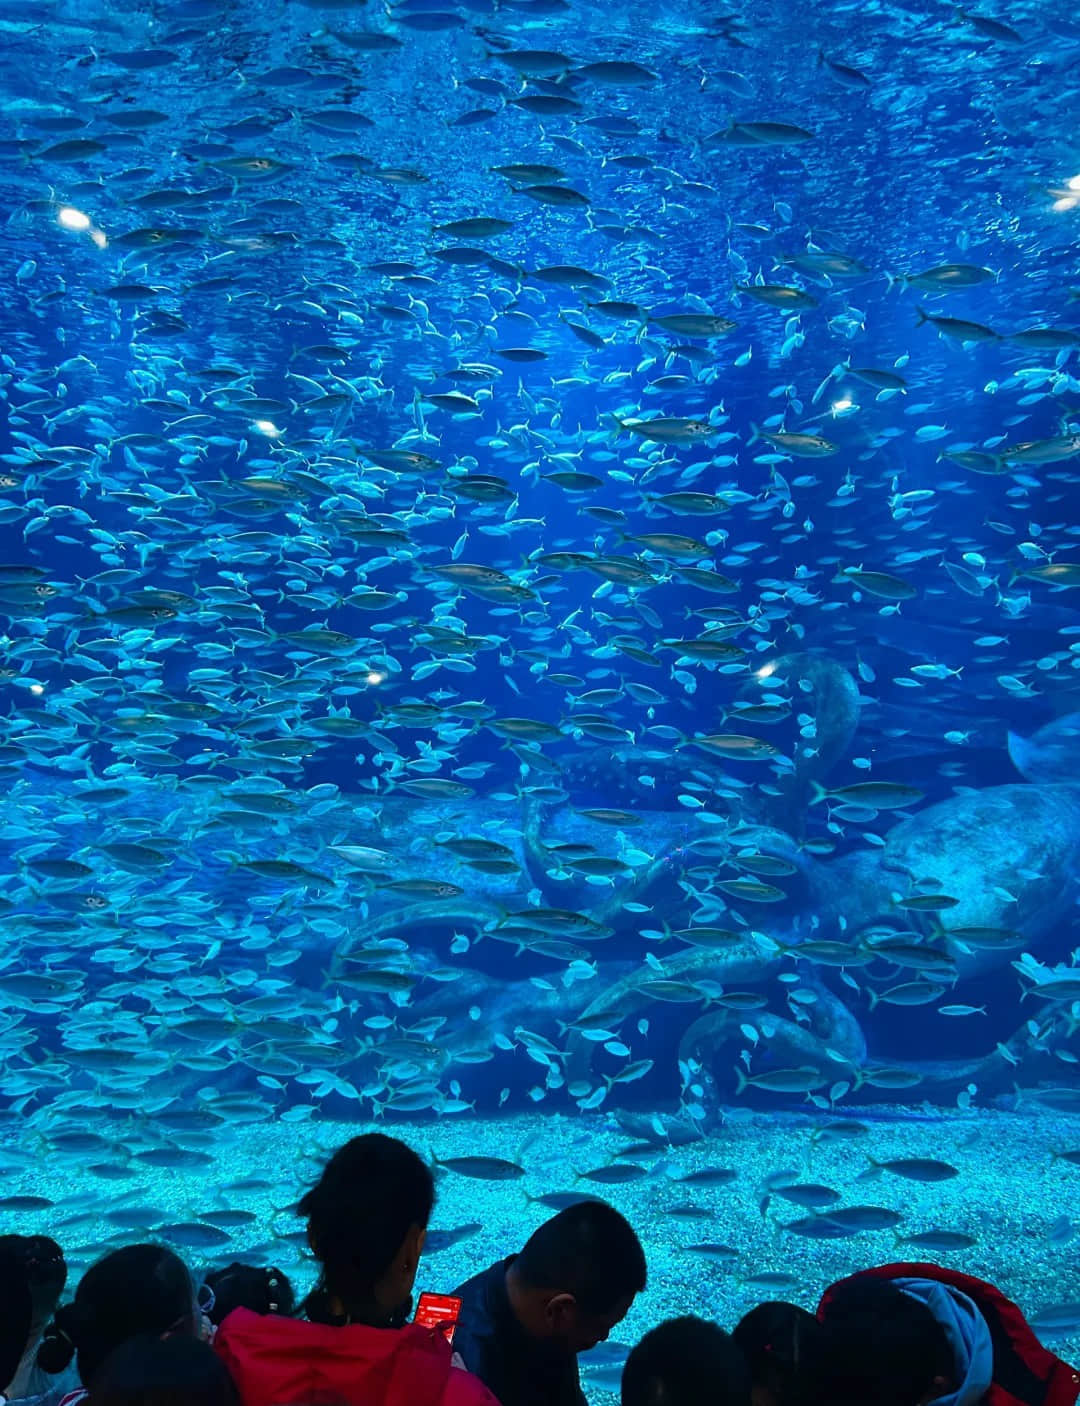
point(877, 1344)
point(44, 1266)
point(16, 1312)
point(359, 1211)
point(174, 1371)
point(775, 1339)
point(686, 1362)
point(248, 1286)
point(588, 1250)
point(139, 1289)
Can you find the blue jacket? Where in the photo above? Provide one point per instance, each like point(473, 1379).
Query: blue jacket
point(518, 1369)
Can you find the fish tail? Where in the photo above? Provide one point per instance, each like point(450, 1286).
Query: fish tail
point(921, 316)
point(820, 793)
point(741, 1081)
point(620, 425)
point(755, 434)
point(874, 998)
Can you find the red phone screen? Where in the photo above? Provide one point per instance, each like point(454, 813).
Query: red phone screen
point(439, 1311)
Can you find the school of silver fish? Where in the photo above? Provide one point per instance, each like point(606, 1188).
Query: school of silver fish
point(397, 404)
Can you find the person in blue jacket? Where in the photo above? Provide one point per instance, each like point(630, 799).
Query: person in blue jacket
point(525, 1318)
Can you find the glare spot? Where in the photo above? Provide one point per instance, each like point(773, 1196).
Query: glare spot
point(67, 217)
point(1073, 183)
point(98, 237)
point(374, 678)
point(37, 689)
point(266, 427)
point(839, 406)
point(766, 672)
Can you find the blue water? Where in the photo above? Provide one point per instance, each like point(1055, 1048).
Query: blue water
point(188, 229)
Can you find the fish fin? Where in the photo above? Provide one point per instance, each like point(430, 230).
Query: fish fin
point(740, 1080)
point(1019, 752)
point(921, 316)
point(755, 434)
point(874, 998)
point(820, 793)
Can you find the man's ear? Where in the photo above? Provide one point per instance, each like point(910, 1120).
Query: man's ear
point(560, 1311)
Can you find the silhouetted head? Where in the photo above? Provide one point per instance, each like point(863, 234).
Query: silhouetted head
point(878, 1345)
point(367, 1220)
point(248, 1286)
point(139, 1289)
point(45, 1269)
point(577, 1276)
point(174, 1371)
point(775, 1339)
point(686, 1362)
point(16, 1309)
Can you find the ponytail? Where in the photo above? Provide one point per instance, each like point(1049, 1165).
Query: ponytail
point(58, 1342)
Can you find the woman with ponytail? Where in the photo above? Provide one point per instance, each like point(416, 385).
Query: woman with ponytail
point(139, 1289)
point(367, 1220)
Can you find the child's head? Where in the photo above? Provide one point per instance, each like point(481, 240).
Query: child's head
point(878, 1344)
point(774, 1339)
point(686, 1362)
point(247, 1286)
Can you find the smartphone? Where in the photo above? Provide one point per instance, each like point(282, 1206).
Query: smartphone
point(438, 1311)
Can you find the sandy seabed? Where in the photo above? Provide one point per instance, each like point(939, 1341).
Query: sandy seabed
point(1012, 1195)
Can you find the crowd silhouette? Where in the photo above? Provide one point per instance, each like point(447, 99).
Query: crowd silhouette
point(140, 1331)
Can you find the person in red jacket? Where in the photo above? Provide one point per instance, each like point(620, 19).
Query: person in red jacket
point(367, 1221)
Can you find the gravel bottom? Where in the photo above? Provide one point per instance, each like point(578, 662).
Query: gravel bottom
point(1011, 1195)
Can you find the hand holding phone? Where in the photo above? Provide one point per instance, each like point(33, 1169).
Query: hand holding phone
point(438, 1311)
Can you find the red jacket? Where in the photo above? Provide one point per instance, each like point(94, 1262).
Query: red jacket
point(277, 1361)
point(1025, 1372)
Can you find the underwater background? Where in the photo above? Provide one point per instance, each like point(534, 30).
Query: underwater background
point(538, 575)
